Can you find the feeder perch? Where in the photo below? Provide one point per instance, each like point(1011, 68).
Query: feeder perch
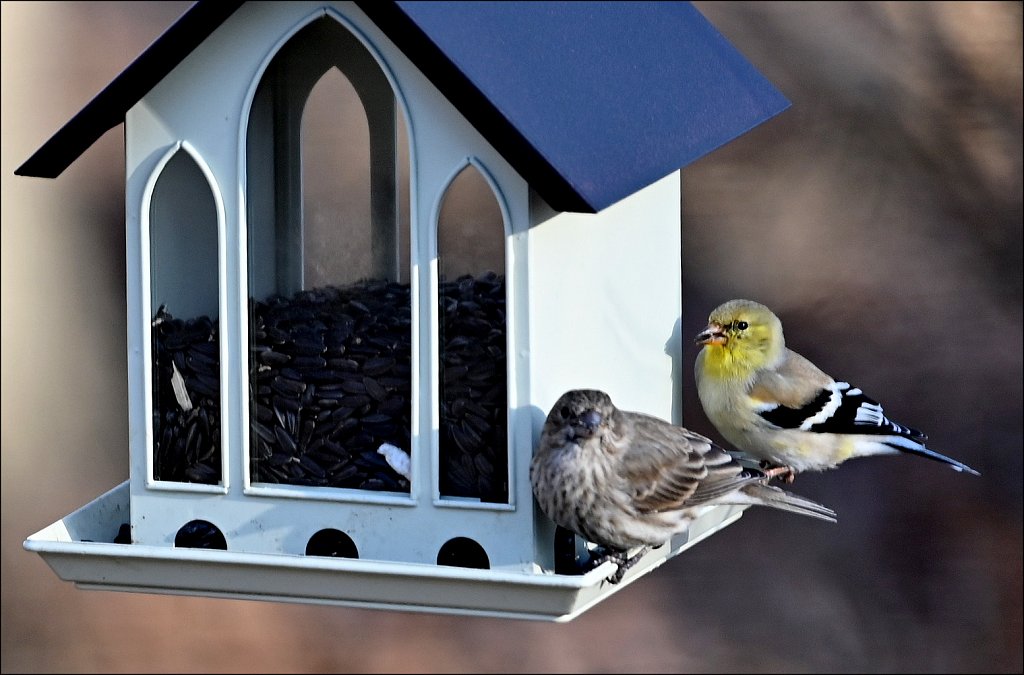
point(338, 404)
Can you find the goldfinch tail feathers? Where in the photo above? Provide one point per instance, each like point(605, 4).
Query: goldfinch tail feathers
point(909, 446)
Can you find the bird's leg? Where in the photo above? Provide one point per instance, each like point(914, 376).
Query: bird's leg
point(786, 474)
point(600, 554)
point(619, 557)
point(627, 564)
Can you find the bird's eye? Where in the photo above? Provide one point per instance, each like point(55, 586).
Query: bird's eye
point(742, 325)
point(564, 411)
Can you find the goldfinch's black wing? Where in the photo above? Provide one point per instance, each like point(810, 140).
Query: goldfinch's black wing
point(837, 408)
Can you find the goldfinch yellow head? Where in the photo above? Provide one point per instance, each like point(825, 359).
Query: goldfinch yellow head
point(742, 336)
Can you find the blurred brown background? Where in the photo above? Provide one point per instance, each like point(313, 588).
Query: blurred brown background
point(880, 216)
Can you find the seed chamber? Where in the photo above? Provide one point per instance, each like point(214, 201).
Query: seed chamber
point(329, 311)
point(473, 452)
point(184, 264)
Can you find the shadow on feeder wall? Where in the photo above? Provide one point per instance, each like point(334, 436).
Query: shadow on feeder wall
point(674, 350)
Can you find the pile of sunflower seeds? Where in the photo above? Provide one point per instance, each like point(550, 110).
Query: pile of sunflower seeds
point(473, 451)
point(330, 373)
point(186, 399)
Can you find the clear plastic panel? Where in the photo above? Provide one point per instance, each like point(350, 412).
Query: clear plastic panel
point(183, 246)
point(473, 453)
point(330, 314)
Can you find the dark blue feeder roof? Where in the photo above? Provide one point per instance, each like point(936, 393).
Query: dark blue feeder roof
point(588, 101)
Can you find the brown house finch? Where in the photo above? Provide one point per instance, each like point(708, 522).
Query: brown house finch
point(624, 479)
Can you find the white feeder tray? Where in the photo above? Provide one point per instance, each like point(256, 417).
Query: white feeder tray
point(78, 548)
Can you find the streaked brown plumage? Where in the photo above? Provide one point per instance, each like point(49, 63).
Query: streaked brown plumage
point(625, 479)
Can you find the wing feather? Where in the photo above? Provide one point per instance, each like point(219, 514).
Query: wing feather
point(799, 396)
point(670, 467)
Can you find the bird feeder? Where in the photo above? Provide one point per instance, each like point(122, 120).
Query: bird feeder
point(340, 406)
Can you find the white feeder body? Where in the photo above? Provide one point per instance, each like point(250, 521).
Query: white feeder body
point(215, 226)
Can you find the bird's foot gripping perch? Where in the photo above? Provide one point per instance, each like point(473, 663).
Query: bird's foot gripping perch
point(569, 560)
point(620, 557)
point(786, 474)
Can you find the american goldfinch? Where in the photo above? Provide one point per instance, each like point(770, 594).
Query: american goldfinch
point(777, 406)
point(626, 480)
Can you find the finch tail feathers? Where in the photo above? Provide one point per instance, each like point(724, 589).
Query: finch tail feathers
point(777, 498)
point(909, 446)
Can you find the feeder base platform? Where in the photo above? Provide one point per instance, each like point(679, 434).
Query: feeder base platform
point(79, 548)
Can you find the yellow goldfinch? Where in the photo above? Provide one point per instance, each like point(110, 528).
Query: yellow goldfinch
point(778, 407)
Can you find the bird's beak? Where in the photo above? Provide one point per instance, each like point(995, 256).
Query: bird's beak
point(585, 426)
point(712, 335)
point(591, 420)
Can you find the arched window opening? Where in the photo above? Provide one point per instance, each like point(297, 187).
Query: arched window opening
point(183, 249)
point(336, 223)
point(330, 314)
point(473, 449)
